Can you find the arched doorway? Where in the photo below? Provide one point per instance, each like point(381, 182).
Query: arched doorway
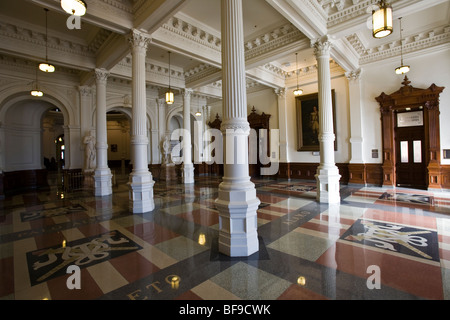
point(31, 133)
point(119, 147)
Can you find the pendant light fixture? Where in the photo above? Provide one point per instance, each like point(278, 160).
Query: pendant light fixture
point(298, 91)
point(403, 68)
point(382, 20)
point(35, 91)
point(45, 66)
point(75, 7)
point(169, 93)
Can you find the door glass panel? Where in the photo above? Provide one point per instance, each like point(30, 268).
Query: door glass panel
point(404, 151)
point(417, 148)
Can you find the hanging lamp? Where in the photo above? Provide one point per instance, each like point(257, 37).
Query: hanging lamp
point(169, 93)
point(382, 20)
point(45, 66)
point(75, 7)
point(298, 91)
point(35, 91)
point(403, 68)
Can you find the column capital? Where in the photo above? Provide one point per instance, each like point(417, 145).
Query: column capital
point(138, 39)
point(322, 46)
point(187, 92)
point(85, 91)
point(101, 75)
point(280, 92)
point(353, 75)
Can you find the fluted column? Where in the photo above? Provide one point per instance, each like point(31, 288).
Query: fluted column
point(141, 180)
point(327, 175)
point(188, 167)
point(237, 202)
point(102, 174)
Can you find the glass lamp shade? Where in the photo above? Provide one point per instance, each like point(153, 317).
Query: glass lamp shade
point(75, 7)
point(45, 67)
point(198, 114)
point(169, 97)
point(298, 92)
point(382, 25)
point(402, 69)
point(36, 93)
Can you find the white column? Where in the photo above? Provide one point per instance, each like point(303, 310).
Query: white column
point(282, 124)
point(327, 175)
point(188, 167)
point(237, 202)
point(102, 174)
point(141, 180)
point(356, 136)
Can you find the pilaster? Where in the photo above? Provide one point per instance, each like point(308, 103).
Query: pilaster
point(188, 167)
point(356, 136)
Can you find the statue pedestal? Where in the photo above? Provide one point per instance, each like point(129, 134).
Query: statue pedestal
point(168, 172)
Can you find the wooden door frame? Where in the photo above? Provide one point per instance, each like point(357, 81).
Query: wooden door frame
point(415, 99)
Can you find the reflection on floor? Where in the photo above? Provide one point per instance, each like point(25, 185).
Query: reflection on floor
point(307, 250)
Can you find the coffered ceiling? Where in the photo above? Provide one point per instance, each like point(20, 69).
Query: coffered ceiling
point(274, 30)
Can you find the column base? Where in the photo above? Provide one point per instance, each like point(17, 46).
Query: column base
point(102, 182)
point(188, 173)
point(141, 193)
point(237, 205)
point(328, 185)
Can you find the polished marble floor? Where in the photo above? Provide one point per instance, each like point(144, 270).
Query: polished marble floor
point(379, 243)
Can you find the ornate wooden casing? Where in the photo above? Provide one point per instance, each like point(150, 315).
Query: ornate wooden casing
point(415, 99)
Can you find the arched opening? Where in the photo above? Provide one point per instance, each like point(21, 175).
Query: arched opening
point(34, 147)
point(119, 146)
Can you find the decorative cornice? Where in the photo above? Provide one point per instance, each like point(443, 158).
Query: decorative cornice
point(269, 41)
point(35, 38)
point(193, 33)
point(412, 43)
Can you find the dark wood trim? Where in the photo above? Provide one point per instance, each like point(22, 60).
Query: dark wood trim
point(308, 170)
point(23, 180)
point(365, 173)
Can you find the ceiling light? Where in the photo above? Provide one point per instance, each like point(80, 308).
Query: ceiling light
point(169, 93)
point(35, 92)
point(75, 7)
point(297, 91)
point(403, 68)
point(45, 66)
point(382, 20)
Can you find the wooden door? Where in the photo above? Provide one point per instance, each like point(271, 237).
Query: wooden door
point(411, 169)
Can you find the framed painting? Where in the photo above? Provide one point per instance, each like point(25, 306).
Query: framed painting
point(307, 108)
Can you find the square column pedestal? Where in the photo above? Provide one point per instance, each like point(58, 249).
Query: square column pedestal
point(188, 173)
point(328, 187)
point(102, 182)
point(141, 193)
point(238, 235)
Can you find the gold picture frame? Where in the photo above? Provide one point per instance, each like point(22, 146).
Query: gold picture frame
point(307, 108)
